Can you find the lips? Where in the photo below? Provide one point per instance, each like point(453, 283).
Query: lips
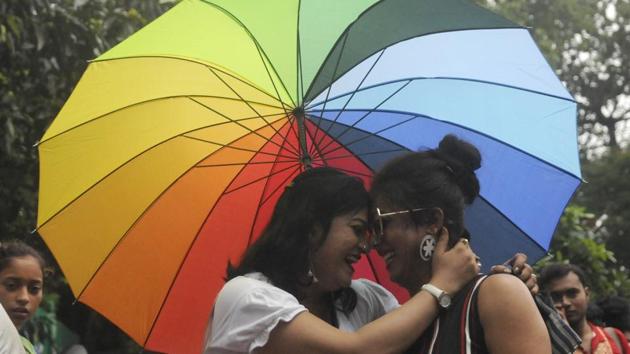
point(20, 313)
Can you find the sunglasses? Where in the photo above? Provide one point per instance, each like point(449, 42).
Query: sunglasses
point(382, 219)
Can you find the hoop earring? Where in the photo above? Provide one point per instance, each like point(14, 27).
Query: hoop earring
point(427, 246)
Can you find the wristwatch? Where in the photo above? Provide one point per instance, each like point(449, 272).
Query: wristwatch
point(442, 297)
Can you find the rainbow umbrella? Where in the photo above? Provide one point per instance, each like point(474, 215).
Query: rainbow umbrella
point(168, 157)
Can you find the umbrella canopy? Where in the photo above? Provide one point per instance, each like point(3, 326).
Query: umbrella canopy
point(168, 157)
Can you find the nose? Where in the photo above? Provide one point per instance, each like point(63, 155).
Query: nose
point(22, 297)
point(565, 301)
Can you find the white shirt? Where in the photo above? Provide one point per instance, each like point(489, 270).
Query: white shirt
point(10, 342)
point(249, 307)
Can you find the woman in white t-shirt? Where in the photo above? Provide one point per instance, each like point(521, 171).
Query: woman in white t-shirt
point(293, 290)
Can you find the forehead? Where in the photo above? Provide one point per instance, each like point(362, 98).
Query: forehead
point(353, 215)
point(23, 267)
point(569, 281)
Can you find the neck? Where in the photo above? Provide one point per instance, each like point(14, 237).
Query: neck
point(582, 328)
point(320, 304)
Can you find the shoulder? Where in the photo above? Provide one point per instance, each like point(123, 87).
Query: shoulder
point(252, 290)
point(502, 294)
point(246, 310)
point(500, 283)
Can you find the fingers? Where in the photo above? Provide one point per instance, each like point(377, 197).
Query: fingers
point(442, 243)
point(518, 261)
point(500, 269)
point(532, 284)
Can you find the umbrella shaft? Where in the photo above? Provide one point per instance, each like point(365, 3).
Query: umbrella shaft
point(305, 157)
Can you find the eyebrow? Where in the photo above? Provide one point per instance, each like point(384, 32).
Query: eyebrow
point(22, 279)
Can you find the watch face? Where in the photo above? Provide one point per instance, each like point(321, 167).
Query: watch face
point(445, 301)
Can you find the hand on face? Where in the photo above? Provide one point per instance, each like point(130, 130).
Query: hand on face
point(453, 268)
point(518, 266)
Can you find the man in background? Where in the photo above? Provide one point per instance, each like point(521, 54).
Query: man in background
point(569, 290)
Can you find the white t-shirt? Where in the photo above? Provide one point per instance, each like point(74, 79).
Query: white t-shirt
point(249, 307)
point(10, 342)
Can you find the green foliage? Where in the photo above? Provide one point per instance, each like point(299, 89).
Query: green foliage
point(42, 328)
point(608, 193)
point(578, 240)
point(44, 49)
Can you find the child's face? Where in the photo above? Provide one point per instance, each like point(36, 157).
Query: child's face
point(21, 285)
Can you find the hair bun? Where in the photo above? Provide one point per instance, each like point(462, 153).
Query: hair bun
point(463, 158)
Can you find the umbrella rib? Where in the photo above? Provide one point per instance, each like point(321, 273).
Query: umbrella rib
point(315, 150)
point(260, 204)
point(241, 125)
point(367, 114)
point(300, 79)
point(470, 130)
point(455, 78)
point(261, 51)
point(258, 179)
point(129, 160)
point(192, 61)
point(355, 91)
point(184, 259)
point(345, 34)
point(250, 106)
point(407, 38)
point(263, 201)
point(104, 115)
point(366, 154)
point(341, 51)
point(242, 163)
point(369, 135)
point(124, 235)
point(237, 148)
point(513, 224)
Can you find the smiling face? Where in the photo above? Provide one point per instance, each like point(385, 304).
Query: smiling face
point(333, 261)
point(400, 245)
point(21, 284)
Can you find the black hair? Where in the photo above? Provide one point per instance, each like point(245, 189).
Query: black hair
point(443, 177)
point(556, 271)
point(14, 249)
point(615, 312)
point(298, 227)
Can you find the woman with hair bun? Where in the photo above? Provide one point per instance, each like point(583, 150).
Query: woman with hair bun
point(415, 196)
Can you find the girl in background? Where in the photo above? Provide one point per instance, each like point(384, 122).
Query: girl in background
point(21, 283)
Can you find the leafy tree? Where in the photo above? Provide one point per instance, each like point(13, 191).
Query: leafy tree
point(44, 49)
point(607, 192)
point(588, 44)
point(578, 241)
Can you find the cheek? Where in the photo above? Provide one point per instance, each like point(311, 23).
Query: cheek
point(36, 300)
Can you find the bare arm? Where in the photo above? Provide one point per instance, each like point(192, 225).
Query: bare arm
point(510, 318)
point(392, 333)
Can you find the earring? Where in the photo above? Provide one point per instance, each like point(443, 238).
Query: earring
point(427, 246)
point(312, 278)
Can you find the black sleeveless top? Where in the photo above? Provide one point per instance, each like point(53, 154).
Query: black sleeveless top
point(458, 329)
